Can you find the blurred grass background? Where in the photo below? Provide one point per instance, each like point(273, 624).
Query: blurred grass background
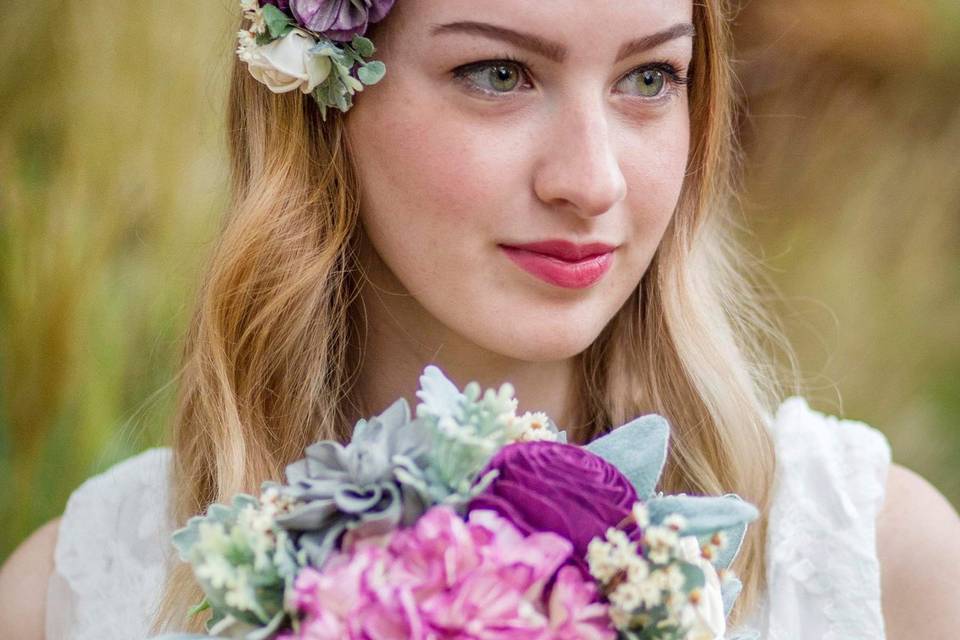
point(112, 182)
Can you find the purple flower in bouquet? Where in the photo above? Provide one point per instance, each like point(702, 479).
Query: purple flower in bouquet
point(561, 488)
point(339, 19)
point(445, 577)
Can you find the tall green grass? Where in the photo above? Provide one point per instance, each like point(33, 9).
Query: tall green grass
point(112, 182)
point(852, 186)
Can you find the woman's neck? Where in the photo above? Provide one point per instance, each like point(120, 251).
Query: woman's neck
point(400, 338)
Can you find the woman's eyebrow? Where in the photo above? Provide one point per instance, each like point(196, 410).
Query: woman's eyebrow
point(554, 51)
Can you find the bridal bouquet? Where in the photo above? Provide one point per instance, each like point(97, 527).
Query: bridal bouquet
point(469, 521)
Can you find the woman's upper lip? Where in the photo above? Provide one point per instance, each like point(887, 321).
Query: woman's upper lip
point(564, 249)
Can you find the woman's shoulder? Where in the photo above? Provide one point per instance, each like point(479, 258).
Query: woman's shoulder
point(23, 584)
point(112, 553)
point(918, 543)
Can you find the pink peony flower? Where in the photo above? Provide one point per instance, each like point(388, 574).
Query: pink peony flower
point(452, 579)
point(573, 609)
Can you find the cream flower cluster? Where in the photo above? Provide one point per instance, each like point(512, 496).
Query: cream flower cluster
point(254, 540)
point(531, 427)
point(285, 64)
point(646, 583)
point(286, 56)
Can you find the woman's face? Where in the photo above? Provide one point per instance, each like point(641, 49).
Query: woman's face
point(502, 123)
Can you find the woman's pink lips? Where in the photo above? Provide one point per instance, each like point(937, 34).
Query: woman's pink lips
point(563, 273)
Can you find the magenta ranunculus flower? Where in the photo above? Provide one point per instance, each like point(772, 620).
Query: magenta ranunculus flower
point(561, 488)
point(339, 19)
point(450, 578)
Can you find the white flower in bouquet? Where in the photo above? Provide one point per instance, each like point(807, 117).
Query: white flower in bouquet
point(708, 619)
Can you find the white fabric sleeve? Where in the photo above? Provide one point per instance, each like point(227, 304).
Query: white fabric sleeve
point(823, 574)
point(112, 553)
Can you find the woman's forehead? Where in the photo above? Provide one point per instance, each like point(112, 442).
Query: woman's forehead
point(571, 24)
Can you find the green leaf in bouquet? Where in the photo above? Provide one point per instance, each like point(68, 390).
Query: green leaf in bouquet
point(185, 539)
point(705, 515)
point(241, 560)
point(693, 577)
point(730, 589)
point(638, 449)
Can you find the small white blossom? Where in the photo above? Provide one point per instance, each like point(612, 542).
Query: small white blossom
point(246, 44)
point(675, 578)
point(619, 617)
point(531, 427)
point(253, 13)
point(709, 620)
point(600, 560)
point(213, 538)
point(617, 537)
point(641, 514)
point(650, 594)
point(216, 570)
point(662, 543)
point(637, 569)
point(675, 521)
point(627, 596)
point(241, 593)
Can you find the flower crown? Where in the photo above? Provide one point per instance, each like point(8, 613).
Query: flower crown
point(316, 46)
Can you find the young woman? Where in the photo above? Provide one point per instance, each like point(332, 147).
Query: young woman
point(413, 228)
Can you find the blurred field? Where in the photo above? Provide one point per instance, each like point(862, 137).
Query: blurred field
point(112, 182)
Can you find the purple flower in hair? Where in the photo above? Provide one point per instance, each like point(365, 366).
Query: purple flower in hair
point(338, 19)
point(283, 5)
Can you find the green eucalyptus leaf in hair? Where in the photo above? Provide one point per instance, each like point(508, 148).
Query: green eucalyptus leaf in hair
point(363, 46)
point(372, 72)
point(278, 23)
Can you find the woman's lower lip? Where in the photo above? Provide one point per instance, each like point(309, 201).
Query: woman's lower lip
point(571, 275)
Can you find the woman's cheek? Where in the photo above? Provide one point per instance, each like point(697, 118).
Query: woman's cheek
point(656, 167)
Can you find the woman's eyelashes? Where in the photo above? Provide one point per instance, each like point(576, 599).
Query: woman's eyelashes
point(505, 76)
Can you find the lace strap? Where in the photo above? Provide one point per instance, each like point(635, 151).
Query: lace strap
point(112, 553)
point(822, 566)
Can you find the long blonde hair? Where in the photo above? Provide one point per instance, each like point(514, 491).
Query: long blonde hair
point(273, 346)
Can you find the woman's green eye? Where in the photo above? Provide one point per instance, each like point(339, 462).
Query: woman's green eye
point(494, 77)
point(650, 82)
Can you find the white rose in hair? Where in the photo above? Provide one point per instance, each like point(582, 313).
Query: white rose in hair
point(709, 620)
point(285, 64)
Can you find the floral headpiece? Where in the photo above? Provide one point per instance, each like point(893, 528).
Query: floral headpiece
point(316, 46)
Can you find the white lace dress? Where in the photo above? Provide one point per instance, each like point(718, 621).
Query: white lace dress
point(824, 577)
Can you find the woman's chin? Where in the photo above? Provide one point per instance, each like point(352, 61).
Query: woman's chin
point(539, 344)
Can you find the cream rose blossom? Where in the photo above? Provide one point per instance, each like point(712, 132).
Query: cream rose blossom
point(709, 622)
point(285, 64)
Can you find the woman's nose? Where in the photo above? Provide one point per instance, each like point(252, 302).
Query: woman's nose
point(579, 169)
